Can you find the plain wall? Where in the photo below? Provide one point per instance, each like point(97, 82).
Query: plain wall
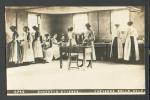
point(10, 19)
point(104, 25)
point(93, 20)
point(138, 20)
point(99, 20)
point(16, 18)
point(62, 22)
point(22, 20)
point(46, 24)
point(56, 24)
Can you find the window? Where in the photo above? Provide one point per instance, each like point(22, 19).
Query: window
point(79, 21)
point(119, 17)
point(32, 21)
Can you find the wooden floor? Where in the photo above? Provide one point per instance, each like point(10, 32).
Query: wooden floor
point(103, 75)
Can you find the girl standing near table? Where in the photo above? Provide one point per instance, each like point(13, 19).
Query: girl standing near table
point(89, 38)
point(55, 47)
point(71, 36)
point(47, 48)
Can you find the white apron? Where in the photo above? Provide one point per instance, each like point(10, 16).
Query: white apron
point(117, 33)
point(120, 48)
point(48, 53)
point(55, 48)
point(127, 49)
point(28, 55)
point(37, 48)
point(72, 40)
point(88, 51)
point(14, 50)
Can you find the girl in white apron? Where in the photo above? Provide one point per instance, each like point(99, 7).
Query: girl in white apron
point(28, 56)
point(131, 49)
point(89, 39)
point(37, 46)
point(14, 46)
point(71, 36)
point(47, 49)
point(116, 52)
point(55, 47)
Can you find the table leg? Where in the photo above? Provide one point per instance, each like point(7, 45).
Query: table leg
point(60, 57)
point(84, 60)
point(91, 56)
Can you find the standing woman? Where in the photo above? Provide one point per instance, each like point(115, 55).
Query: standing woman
point(55, 47)
point(14, 46)
point(131, 49)
point(71, 36)
point(116, 52)
point(47, 48)
point(89, 39)
point(37, 46)
point(28, 56)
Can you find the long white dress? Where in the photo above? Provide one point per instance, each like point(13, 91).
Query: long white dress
point(47, 51)
point(117, 41)
point(55, 47)
point(28, 55)
point(37, 47)
point(14, 49)
point(131, 32)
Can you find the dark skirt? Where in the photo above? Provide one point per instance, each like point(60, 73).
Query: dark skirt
point(132, 54)
point(114, 55)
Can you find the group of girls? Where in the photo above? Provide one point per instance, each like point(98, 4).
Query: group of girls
point(128, 50)
point(32, 48)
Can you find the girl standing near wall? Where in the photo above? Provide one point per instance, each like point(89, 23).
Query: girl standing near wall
point(37, 46)
point(116, 52)
point(14, 46)
point(28, 55)
point(131, 49)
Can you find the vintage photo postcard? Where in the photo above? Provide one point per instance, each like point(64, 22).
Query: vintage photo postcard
point(75, 50)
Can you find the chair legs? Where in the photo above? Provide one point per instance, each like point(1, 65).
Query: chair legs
point(71, 60)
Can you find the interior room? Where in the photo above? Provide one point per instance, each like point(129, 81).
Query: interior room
point(61, 72)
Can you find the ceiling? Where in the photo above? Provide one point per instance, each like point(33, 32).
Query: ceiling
point(67, 9)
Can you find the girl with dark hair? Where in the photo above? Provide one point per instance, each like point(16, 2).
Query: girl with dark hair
point(37, 46)
point(55, 47)
point(28, 55)
point(47, 48)
point(71, 36)
point(116, 52)
point(131, 49)
point(14, 46)
point(89, 38)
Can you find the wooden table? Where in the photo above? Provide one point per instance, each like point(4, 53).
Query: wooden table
point(81, 50)
point(102, 51)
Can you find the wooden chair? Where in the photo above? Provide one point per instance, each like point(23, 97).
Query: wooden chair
point(73, 57)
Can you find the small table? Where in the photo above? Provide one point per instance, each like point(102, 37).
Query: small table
point(82, 50)
point(102, 51)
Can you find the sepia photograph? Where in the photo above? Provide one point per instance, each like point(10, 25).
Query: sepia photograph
point(75, 50)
